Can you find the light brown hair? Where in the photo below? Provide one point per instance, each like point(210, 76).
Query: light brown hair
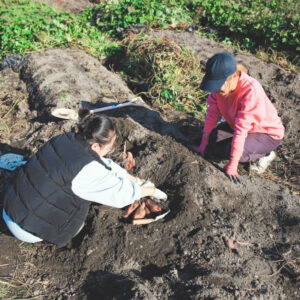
point(241, 68)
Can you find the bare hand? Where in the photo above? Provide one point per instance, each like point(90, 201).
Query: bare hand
point(129, 161)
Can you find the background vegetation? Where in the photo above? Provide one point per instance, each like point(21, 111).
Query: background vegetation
point(155, 67)
point(267, 23)
point(29, 26)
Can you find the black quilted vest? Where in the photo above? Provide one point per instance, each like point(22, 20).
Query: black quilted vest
point(40, 198)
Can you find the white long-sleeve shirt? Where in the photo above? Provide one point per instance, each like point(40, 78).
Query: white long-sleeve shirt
point(94, 183)
point(113, 188)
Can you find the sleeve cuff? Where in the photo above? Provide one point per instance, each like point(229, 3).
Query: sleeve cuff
point(137, 191)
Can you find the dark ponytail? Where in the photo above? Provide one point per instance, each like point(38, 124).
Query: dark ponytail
point(96, 128)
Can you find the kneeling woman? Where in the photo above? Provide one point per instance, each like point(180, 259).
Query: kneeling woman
point(50, 197)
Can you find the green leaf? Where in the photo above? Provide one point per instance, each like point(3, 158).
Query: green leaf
point(3, 127)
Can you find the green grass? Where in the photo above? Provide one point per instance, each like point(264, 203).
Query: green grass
point(27, 26)
point(11, 288)
point(4, 290)
point(251, 23)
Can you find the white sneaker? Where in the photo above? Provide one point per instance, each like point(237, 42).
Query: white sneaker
point(262, 164)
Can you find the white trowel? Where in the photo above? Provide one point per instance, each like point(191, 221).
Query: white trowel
point(70, 114)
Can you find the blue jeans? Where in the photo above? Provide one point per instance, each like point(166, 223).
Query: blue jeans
point(18, 231)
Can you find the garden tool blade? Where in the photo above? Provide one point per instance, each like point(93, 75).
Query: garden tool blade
point(161, 216)
point(65, 113)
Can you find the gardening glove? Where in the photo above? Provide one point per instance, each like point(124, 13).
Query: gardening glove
point(201, 148)
point(158, 194)
point(143, 182)
point(231, 170)
point(139, 181)
point(147, 183)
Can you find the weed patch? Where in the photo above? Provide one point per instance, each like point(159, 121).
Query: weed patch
point(163, 71)
point(109, 15)
point(14, 288)
point(269, 24)
point(272, 24)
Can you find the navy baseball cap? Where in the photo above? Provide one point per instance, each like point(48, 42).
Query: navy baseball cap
point(217, 69)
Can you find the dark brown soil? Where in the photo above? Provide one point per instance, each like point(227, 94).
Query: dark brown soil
point(184, 256)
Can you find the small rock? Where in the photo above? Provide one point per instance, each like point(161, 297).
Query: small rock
point(174, 274)
point(158, 280)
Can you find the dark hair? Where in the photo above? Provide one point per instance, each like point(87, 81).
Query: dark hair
point(96, 128)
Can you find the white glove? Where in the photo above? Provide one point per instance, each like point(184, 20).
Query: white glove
point(160, 195)
point(147, 183)
point(143, 182)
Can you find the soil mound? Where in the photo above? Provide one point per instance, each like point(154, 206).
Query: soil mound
point(184, 256)
point(282, 87)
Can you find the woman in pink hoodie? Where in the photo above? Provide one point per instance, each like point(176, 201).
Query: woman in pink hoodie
point(252, 127)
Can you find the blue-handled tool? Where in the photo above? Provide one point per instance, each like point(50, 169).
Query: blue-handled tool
point(70, 114)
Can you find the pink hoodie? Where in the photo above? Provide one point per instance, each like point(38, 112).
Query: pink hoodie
point(246, 110)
